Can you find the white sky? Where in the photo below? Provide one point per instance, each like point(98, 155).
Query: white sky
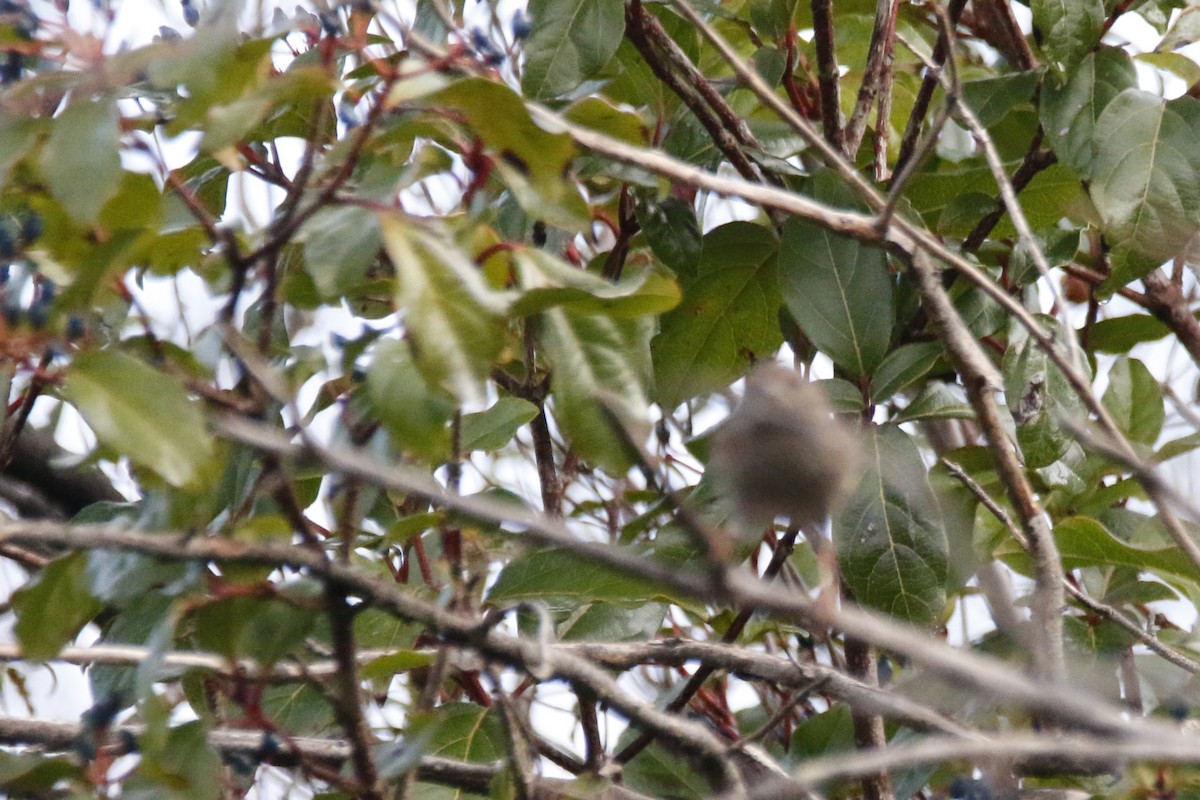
point(61, 691)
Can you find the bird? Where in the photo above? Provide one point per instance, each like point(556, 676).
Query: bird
point(782, 453)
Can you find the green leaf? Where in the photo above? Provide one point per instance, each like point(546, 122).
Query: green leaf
point(285, 105)
point(890, 542)
point(182, 766)
point(1177, 447)
point(840, 293)
point(1038, 394)
point(936, 401)
point(84, 141)
point(36, 775)
point(1119, 334)
point(600, 367)
point(548, 281)
point(1176, 63)
point(824, 734)
point(1052, 194)
point(674, 235)
point(467, 732)
point(600, 115)
point(387, 666)
point(532, 161)
point(571, 40)
point(1184, 30)
point(299, 708)
point(340, 244)
point(556, 574)
point(1070, 109)
point(412, 410)
point(903, 367)
point(660, 772)
point(728, 317)
point(18, 135)
point(993, 98)
point(54, 607)
point(454, 318)
point(213, 68)
point(771, 18)
point(1084, 542)
point(844, 396)
point(142, 413)
point(1146, 180)
point(1134, 399)
point(612, 622)
point(253, 627)
point(1068, 30)
point(495, 427)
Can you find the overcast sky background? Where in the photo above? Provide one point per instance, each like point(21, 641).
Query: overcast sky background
point(62, 692)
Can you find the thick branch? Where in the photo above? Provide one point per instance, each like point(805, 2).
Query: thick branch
point(1165, 300)
point(827, 73)
point(982, 383)
point(645, 37)
point(966, 670)
point(466, 776)
point(878, 68)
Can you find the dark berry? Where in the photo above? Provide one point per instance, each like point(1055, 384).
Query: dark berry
point(11, 312)
point(76, 330)
point(970, 789)
point(480, 40)
point(39, 315)
point(270, 747)
point(522, 26)
point(241, 763)
point(330, 23)
point(191, 15)
point(10, 67)
point(885, 670)
point(8, 241)
point(129, 742)
point(31, 226)
point(84, 746)
point(102, 714)
point(346, 115)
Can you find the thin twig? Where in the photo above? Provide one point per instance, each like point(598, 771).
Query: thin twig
point(686, 88)
point(1167, 302)
point(982, 382)
point(827, 73)
point(929, 84)
point(743, 591)
point(466, 776)
point(1095, 606)
point(875, 76)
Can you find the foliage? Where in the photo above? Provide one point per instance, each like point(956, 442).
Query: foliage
point(553, 242)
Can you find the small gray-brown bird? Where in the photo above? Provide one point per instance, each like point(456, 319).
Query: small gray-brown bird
point(782, 453)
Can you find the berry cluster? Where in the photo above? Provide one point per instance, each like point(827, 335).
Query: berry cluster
point(26, 296)
point(23, 22)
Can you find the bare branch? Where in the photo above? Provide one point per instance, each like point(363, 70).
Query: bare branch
point(1095, 606)
point(982, 383)
point(827, 73)
point(467, 776)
